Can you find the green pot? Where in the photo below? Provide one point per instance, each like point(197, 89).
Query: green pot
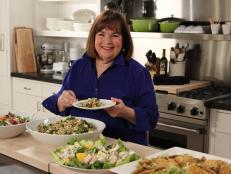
point(168, 26)
point(144, 24)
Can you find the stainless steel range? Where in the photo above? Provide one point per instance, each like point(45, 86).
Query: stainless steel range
point(184, 118)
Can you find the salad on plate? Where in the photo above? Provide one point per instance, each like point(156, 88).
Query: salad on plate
point(93, 155)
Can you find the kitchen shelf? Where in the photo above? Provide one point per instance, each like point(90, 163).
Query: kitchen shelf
point(182, 36)
point(76, 1)
point(48, 33)
point(149, 35)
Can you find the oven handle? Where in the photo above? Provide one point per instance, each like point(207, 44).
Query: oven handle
point(180, 128)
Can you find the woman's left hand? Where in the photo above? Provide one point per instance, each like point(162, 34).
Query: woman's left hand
point(121, 110)
point(116, 110)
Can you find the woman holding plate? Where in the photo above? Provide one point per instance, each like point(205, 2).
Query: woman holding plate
point(107, 71)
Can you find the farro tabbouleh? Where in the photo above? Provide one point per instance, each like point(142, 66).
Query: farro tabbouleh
point(70, 125)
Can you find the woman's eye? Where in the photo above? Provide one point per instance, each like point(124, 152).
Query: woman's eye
point(116, 35)
point(100, 34)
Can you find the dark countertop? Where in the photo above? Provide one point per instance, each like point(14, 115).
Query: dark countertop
point(45, 77)
point(221, 103)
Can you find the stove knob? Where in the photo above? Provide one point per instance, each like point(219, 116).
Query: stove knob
point(180, 109)
point(171, 106)
point(194, 111)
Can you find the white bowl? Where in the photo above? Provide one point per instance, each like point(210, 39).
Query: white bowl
point(13, 130)
point(82, 26)
point(59, 140)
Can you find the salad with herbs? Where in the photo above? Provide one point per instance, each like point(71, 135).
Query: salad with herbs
point(12, 119)
point(88, 154)
point(67, 126)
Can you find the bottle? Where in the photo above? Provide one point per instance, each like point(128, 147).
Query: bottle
point(163, 64)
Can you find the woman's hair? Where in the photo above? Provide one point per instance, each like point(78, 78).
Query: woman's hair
point(116, 22)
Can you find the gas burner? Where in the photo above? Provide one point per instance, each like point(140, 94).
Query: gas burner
point(205, 93)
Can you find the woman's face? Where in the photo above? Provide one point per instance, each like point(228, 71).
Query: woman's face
point(108, 44)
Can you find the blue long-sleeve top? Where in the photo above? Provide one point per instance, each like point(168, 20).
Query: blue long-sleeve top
point(126, 80)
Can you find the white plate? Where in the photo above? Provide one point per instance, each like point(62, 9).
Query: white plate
point(83, 15)
point(130, 167)
point(105, 104)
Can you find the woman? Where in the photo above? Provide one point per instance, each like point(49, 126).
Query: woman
point(107, 71)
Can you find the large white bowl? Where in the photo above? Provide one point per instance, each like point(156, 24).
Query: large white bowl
point(59, 140)
point(13, 130)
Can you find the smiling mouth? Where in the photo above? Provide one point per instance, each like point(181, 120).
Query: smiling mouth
point(107, 48)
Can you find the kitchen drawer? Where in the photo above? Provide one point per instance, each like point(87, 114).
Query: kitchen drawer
point(27, 87)
point(50, 89)
point(223, 122)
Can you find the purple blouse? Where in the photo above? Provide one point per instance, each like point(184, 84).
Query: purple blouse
point(126, 80)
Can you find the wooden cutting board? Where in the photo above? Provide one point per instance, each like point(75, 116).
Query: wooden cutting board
point(24, 55)
point(175, 89)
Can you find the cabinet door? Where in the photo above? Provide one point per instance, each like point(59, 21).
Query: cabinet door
point(5, 92)
point(220, 133)
point(4, 30)
point(27, 103)
point(5, 81)
point(222, 145)
point(27, 95)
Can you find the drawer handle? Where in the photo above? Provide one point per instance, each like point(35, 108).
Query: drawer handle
point(39, 106)
point(2, 45)
point(26, 88)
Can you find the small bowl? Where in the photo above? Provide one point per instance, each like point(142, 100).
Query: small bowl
point(144, 24)
point(168, 26)
point(11, 131)
point(58, 140)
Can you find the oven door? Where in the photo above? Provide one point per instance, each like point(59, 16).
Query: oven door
point(173, 132)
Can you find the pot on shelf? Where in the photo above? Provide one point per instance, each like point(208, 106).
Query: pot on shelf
point(169, 24)
point(144, 24)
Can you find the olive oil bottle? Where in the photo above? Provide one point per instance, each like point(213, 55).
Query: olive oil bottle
point(163, 64)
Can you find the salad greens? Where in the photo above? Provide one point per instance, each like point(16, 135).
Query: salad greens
point(88, 154)
point(12, 119)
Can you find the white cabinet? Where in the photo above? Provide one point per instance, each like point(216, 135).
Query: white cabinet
point(220, 133)
point(29, 94)
point(5, 83)
point(12, 13)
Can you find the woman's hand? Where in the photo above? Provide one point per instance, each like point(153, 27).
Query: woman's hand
point(121, 110)
point(66, 99)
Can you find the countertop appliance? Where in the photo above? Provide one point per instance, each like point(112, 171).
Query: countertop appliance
point(184, 118)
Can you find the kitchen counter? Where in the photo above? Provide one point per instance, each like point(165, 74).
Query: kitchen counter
point(221, 103)
point(45, 77)
point(27, 150)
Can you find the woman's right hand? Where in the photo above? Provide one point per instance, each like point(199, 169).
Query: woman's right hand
point(66, 100)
